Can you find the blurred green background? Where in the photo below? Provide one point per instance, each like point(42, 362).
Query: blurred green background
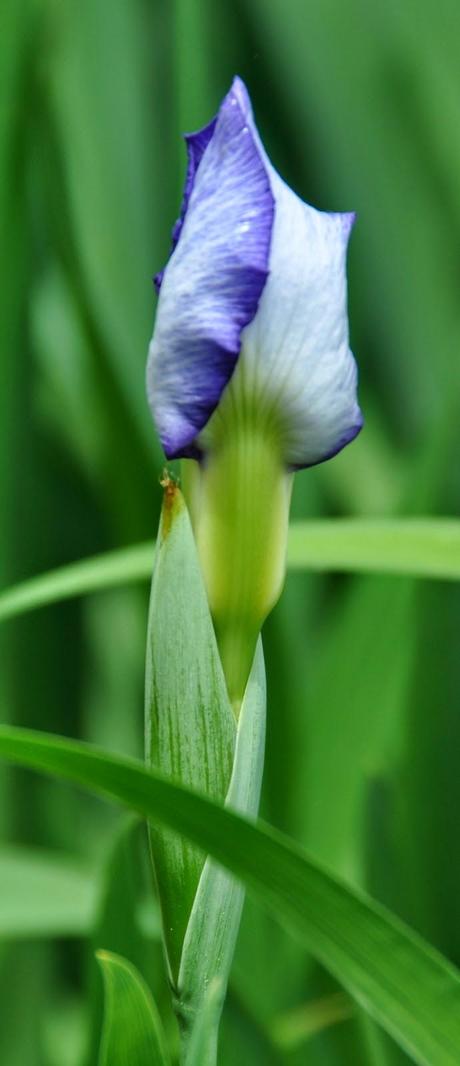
point(359, 106)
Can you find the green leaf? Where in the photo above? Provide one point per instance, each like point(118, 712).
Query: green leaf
point(132, 1033)
point(192, 736)
point(120, 925)
point(90, 575)
point(69, 390)
point(201, 1050)
point(215, 919)
point(44, 894)
point(190, 726)
point(398, 978)
point(105, 132)
point(422, 547)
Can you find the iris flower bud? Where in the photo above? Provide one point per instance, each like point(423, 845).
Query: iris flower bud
point(250, 373)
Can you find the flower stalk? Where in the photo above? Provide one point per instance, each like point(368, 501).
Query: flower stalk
point(250, 377)
point(240, 500)
point(192, 735)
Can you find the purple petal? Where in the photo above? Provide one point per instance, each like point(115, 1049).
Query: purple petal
point(214, 280)
point(196, 146)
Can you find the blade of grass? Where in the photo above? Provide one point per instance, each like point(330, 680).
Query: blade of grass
point(399, 979)
point(132, 1033)
point(90, 575)
point(420, 547)
point(125, 882)
point(99, 89)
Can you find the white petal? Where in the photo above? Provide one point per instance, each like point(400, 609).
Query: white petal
point(296, 350)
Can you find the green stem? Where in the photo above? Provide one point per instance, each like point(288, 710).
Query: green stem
point(241, 527)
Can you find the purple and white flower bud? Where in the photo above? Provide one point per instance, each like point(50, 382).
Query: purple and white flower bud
point(250, 371)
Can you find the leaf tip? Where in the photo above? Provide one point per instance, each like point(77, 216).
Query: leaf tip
point(173, 502)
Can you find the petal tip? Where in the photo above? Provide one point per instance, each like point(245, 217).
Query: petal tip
point(344, 221)
point(348, 219)
point(239, 93)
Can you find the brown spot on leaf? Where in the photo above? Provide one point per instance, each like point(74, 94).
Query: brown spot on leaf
point(171, 502)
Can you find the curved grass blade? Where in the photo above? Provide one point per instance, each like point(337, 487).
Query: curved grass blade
point(88, 575)
point(109, 178)
point(403, 983)
point(132, 1034)
point(201, 1049)
point(421, 547)
point(120, 926)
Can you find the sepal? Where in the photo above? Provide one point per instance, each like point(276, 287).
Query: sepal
point(214, 922)
point(190, 726)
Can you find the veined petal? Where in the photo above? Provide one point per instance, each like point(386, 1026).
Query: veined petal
point(196, 145)
point(296, 352)
point(214, 279)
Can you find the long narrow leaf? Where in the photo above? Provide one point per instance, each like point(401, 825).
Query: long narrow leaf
point(189, 723)
point(132, 1033)
point(422, 547)
point(77, 579)
point(403, 983)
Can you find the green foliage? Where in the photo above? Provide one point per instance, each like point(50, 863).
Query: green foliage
point(194, 736)
point(189, 724)
point(423, 548)
point(418, 547)
point(359, 106)
point(201, 1049)
point(43, 894)
point(126, 921)
point(132, 1034)
point(405, 985)
point(215, 919)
